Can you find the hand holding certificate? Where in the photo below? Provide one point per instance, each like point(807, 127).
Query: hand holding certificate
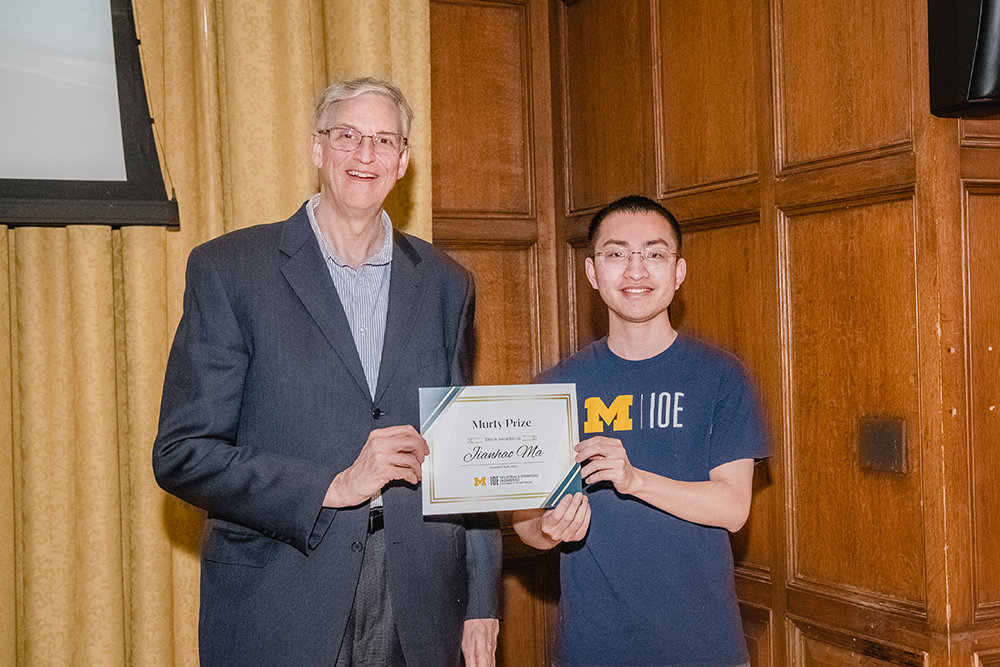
point(498, 448)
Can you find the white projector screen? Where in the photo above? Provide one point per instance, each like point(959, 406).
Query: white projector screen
point(76, 137)
point(59, 106)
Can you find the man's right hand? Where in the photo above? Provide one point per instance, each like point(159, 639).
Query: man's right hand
point(568, 521)
point(389, 453)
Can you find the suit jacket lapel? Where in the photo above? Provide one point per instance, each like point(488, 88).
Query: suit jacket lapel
point(310, 279)
point(406, 286)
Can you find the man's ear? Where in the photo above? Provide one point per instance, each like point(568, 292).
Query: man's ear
point(588, 266)
point(317, 150)
point(404, 161)
point(680, 272)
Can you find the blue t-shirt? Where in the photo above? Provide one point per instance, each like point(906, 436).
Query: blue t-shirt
point(644, 587)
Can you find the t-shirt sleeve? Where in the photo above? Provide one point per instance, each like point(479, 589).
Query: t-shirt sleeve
point(738, 429)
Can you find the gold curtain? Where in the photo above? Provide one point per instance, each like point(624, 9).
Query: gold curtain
point(102, 566)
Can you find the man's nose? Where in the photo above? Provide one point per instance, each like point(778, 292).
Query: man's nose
point(636, 267)
point(366, 151)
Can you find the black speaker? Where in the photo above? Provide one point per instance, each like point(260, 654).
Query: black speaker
point(964, 50)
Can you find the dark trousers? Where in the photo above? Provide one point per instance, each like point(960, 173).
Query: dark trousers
point(370, 639)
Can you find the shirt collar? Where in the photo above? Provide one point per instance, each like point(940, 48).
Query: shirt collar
point(381, 256)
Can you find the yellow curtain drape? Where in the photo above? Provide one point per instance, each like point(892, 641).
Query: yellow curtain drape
point(102, 566)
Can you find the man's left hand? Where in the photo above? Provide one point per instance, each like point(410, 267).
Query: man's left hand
point(604, 459)
point(479, 642)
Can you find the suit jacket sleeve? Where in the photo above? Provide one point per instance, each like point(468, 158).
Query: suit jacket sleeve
point(483, 546)
point(195, 455)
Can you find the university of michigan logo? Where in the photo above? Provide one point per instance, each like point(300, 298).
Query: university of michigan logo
point(478, 481)
point(598, 414)
point(655, 410)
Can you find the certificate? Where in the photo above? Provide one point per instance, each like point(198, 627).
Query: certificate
point(498, 448)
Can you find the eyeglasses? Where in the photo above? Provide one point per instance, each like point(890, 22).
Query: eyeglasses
point(344, 138)
point(649, 256)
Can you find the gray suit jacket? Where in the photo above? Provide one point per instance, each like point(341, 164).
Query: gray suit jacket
point(265, 401)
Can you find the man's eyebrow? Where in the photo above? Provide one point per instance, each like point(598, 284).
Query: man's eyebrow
point(345, 126)
point(614, 242)
point(624, 244)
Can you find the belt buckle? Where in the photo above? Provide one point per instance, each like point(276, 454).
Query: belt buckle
point(376, 520)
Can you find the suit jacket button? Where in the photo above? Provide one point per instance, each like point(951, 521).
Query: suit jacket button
point(376, 413)
point(357, 546)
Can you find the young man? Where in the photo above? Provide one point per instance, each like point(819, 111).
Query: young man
point(288, 415)
point(671, 428)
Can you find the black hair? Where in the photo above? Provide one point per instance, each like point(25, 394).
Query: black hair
point(633, 204)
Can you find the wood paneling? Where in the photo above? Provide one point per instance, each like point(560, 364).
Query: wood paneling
point(852, 321)
point(977, 131)
point(705, 53)
point(828, 247)
point(494, 212)
point(987, 659)
point(720, 301)
point(757, 628)
point(983, 230)
point(481, 98)
point(826, 647)
point(589, 317)
point(531, 593)
point(843, 75)
point(506, 312)
point(607, 113)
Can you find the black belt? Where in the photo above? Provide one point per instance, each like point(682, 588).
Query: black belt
point(376, 521)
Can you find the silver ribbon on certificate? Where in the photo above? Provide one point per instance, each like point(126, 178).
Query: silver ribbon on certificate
point(496, 448)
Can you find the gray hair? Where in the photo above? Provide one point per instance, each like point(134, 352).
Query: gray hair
point(351, 88)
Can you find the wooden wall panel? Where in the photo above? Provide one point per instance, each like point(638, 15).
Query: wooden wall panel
point(506, 312)
point(843, 79)
point(852, 322)
point(983, 230)
point(825, 647)
point(980, 131)
point(531, 593)
point(589, 316)
point(987, 659)
point(494, 212)
point(480, 92)
point(875, 294)
point(721, 295)
point(705, 52)
point(606, 125)
point(757, 629)
point(720, 301)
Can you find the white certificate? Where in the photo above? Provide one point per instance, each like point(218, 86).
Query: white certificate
point(498, 448)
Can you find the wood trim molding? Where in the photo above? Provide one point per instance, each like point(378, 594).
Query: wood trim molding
point(875, 651)
point(858, 597)
point(499, 230)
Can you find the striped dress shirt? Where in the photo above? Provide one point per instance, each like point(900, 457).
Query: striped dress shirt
point(364, 292)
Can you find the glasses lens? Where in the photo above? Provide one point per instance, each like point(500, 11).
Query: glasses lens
point(387, 144)
point(348, 139)
point(344, 138)
point(651, 256)
point(657, 256)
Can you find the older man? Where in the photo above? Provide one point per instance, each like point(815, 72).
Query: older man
point(288, 414)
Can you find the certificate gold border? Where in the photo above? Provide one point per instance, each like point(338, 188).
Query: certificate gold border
point(568, 401)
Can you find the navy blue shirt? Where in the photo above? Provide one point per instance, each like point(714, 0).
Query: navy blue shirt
point(645, 587)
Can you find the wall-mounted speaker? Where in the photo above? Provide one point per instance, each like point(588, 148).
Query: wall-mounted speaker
point(964, 51)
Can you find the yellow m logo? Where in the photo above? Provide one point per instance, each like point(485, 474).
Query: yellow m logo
point(599, 414)
point(479, 481)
